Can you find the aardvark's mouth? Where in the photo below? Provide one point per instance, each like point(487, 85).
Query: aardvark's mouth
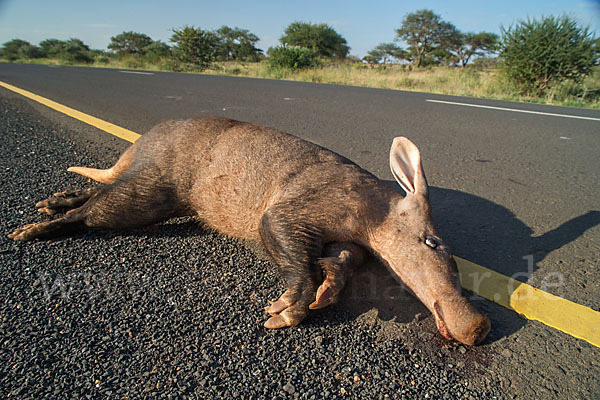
point(473, 329)
point(439, 321)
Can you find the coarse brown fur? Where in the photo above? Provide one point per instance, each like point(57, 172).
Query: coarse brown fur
point(312, 209)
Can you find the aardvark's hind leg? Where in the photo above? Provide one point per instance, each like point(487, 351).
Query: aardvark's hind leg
point(126, 204)
point(68, 201)
point(57, 227)
point(62, 202)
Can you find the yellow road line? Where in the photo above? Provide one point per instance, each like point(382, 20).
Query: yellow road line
point(535, 304)
point(71, 112)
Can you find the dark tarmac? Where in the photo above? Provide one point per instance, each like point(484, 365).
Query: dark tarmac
point(176, 310)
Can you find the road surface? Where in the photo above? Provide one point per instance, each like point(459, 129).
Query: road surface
point(516, 192)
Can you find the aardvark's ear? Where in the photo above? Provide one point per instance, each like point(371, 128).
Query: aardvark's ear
point(405, 162)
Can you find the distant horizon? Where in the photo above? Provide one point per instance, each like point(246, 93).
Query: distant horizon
point(363, 27)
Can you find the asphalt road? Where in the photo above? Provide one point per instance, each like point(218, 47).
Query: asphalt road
point(505, 186)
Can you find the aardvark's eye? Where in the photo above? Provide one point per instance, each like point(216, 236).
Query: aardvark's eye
point(432, 242)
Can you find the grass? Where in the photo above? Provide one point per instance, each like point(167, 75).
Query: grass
point(470, 82)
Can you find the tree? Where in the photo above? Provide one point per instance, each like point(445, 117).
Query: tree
point(384, 52)
point(100, 56)
point(538, 53)
point(51, 47)
point(370, 59)
point(476, 44)
point(70, 51)
point(425, 31)
point(195, 46)
point(74, 51)
point(129, 43)
point(19, 49)
point(155, 50)
point(440, 56)
point(322, 39)
point(237, 44)
point(29, 52)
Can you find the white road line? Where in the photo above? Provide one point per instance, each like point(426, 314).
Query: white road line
point(514, 110)
point(137, 72)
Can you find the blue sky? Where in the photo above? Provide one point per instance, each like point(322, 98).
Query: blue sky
point(364, 24)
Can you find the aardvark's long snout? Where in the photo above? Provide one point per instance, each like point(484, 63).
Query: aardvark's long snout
point(458, 319)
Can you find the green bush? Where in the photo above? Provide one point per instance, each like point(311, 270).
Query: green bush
point(291, 57)
point(128, 43)
point(102, 59)
point(133, 62)
point(195, 48)
point(567, 90)
point(537, 54)
point(51, 47)
point(321, 39)
point(570, 91)
point(237, 44)
point(154, 52)
point(99, 56)
point(20, 49)
point(74, 51)
point(30, 52)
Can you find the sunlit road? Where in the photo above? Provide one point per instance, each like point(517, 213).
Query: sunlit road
point(514, 191)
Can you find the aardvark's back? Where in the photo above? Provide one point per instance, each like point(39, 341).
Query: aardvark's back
point(230, 172)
